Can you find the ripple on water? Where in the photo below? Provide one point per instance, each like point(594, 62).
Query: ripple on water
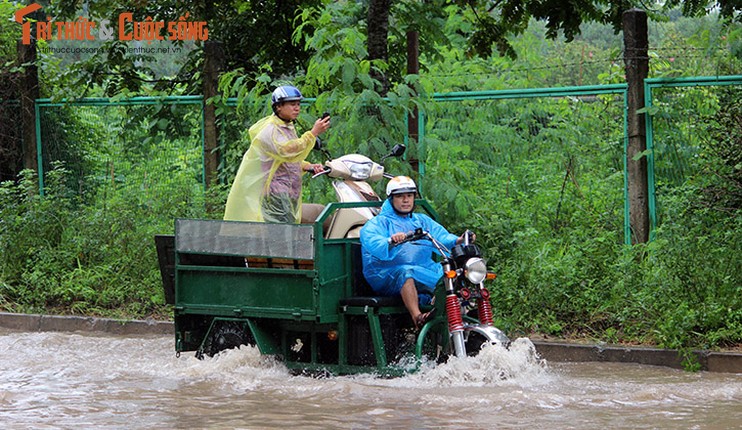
point(64, 380)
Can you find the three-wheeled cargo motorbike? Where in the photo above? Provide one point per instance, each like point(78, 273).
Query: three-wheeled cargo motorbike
point(297, 291)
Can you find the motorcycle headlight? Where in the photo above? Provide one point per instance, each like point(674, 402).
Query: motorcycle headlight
point(359, 171)
point(475, 270)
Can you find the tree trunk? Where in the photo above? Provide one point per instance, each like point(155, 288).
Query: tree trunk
point(213, 62)
point(378, 31)
point(11, 133)
point(28, 92)
point(413, 68)
point(637, 68)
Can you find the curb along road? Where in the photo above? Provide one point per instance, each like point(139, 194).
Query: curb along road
point(34, 322)
point(551, 351)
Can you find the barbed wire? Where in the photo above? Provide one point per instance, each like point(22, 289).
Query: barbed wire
point(616, 61)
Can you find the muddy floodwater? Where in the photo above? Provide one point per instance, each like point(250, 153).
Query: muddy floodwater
point(52, 380)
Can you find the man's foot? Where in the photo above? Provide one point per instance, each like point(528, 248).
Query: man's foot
point(423, 318)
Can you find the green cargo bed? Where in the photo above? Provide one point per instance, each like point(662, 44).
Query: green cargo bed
point(251, 269)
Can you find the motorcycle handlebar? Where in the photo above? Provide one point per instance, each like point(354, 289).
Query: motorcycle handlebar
point(410, 235)
point(419, 233)
point(468, 237)
point(325, 171)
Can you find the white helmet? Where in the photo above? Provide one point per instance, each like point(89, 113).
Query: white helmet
point(400, 185)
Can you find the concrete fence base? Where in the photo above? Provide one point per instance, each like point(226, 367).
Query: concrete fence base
point(551, 351)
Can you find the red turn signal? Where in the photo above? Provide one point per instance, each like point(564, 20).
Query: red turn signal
point(451, 274)
point(491, 275)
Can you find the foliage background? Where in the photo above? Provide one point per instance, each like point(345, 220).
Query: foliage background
point(550, 218)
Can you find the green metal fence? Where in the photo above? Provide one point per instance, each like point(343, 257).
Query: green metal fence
point(106, 142)
point(677, 107)
point(153, 145)
point(563, 132)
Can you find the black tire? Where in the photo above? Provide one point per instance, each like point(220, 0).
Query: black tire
point(436, 344)
point(227, 335)
point(474, 343)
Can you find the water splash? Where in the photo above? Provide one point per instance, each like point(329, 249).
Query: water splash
point(242, 369)
point(518, 364)
point(56, 380)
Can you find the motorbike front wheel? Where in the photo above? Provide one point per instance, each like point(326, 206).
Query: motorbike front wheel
point(434, 343)
point(474, 343)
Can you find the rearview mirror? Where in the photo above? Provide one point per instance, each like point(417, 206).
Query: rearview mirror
point(398, 150)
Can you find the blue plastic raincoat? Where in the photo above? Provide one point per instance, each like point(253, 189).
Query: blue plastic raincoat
point(385, 267)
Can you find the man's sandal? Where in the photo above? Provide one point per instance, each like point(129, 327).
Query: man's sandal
point(424, 318)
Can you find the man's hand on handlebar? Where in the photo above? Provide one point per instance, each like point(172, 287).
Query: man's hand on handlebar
point(472, 237)
point(314, 168)
point(322, 171)
point(397, 237)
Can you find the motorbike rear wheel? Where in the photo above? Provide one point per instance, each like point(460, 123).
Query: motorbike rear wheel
point(225, 335)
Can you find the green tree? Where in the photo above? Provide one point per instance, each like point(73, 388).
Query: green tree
point(488, 27)
point(11, 160)
point(255, 36)
point(260, 37)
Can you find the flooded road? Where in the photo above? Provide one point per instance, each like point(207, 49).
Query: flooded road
point(51, 380)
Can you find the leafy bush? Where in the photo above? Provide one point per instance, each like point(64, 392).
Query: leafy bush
point(683, 290)
point(94, 259)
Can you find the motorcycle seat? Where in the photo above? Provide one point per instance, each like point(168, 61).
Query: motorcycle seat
point(363, 294)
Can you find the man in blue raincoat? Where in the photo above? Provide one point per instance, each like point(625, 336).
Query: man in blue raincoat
point(408, 269)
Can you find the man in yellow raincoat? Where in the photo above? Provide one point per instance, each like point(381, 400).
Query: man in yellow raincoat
point(268, 184)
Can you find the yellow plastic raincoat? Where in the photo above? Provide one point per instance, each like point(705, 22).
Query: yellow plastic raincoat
point(267, 186)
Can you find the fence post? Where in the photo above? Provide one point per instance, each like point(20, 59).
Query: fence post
point(636, 61)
